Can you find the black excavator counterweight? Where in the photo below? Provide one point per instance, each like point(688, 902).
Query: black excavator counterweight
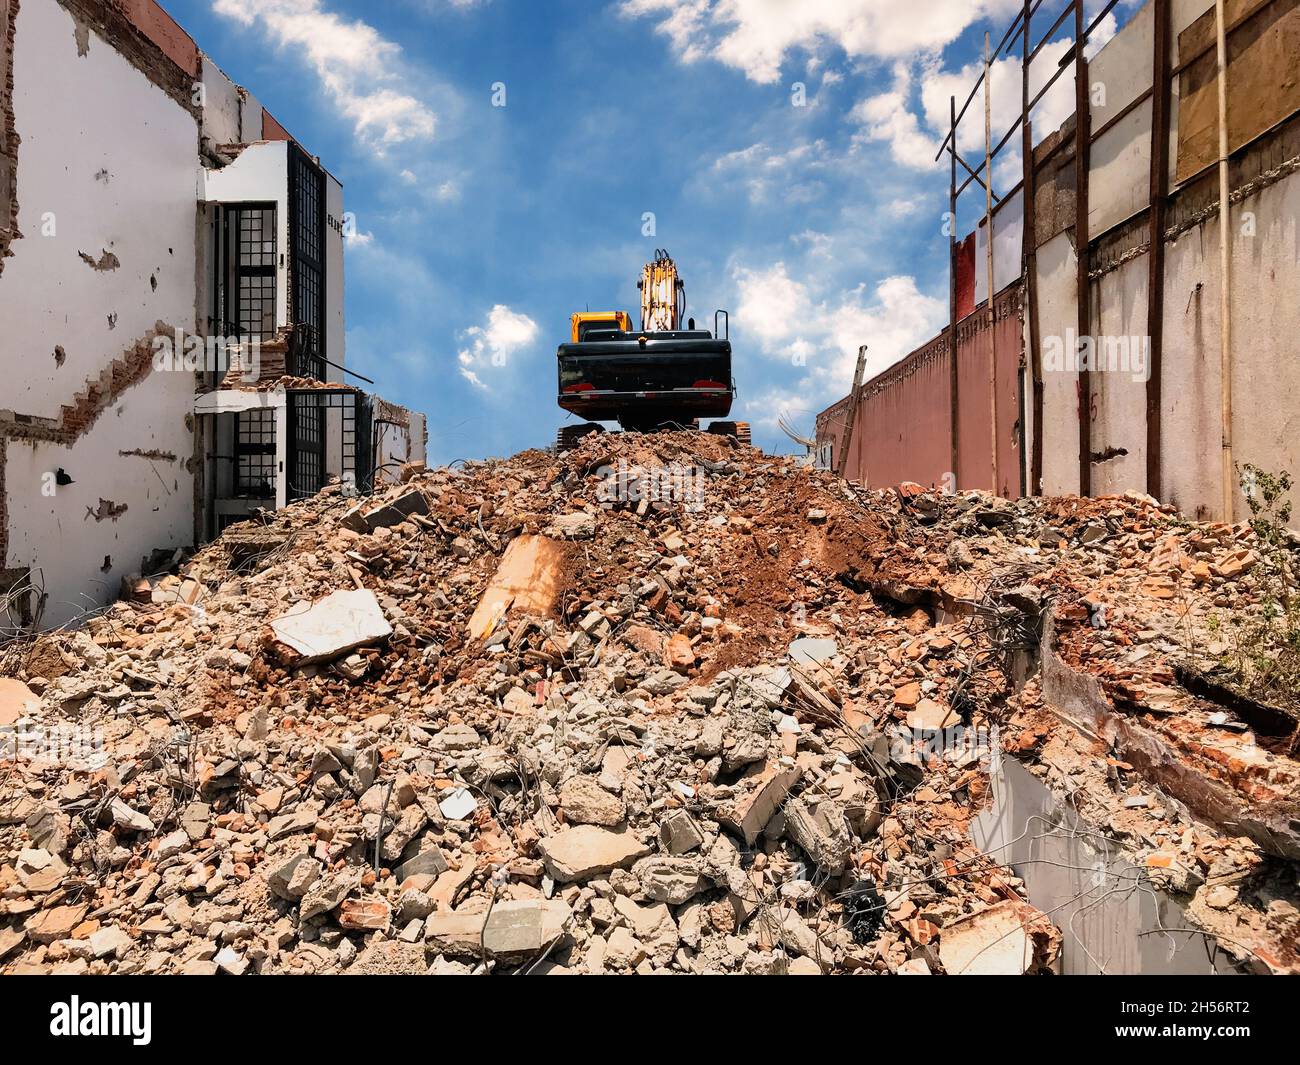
point(661, 376)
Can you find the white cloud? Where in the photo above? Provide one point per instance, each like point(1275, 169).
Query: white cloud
point(754, 36)
point(904, 206)
point(492, 345)
point(356, 239)
point(819, 244)
point(766, 172)
point(886, 117)
point(914, 134)
point(819, 338)
point(357, 65)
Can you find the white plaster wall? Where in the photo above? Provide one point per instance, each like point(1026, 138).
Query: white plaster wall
point(1057, 268)
point(1123, 66)
point(396, 446)
point(334, 332)
point(259, 175)
point(1120, 159)
point(1008, 247)
point(73, 114)
point(1266, 372)
point(1119, 301)
point(417, 444)
point(112, 158)
point(1119, 171)
point(250, 119)
point(221, 106)
point(57, 534)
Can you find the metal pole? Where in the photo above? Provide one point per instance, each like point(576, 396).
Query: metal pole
point(988, 248)
point(846, 436)
point(1030, 255)
point(1081, 142)
point(952, 293)
point(1159, 191)
point(1225, 267)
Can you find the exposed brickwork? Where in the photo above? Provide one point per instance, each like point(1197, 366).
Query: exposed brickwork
point(272, 130)
point(76, 418)
point(271, 354)
point(8, 132)
point(148, 38)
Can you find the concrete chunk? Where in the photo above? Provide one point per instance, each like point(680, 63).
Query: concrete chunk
point(586, 851)
point(394, 513)
point(341, 622)
point(993, 942)
point(766, 790)
point(515, 930)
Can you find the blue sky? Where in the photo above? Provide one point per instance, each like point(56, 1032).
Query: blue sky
point(481, 228)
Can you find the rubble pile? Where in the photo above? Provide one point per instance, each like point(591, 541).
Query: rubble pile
point(657, 704)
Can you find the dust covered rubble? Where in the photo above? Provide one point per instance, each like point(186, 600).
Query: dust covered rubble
point(520, 716)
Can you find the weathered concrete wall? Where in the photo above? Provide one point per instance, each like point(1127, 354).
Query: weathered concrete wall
point(107, 256)
point(1057, 283)
point(1265, 254)
point(1118, 422)
point(976, 348)
point(126, 204)
point(1265, 322)
point(334, 328)
point(1108, 912)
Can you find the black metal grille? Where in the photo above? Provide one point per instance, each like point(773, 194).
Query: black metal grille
point(360, 442)
point(255, 454)
point(307, 245)
point(253, 235)
point(309, 418)
point(307, 439)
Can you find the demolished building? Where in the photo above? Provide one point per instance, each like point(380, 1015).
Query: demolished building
point(171, 309)
point(1165, 257)
point(500, 718)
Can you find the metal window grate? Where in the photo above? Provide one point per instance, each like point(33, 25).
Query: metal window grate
point(255, 454)
point(307, 441)
point(307, 211)
point(252, 233)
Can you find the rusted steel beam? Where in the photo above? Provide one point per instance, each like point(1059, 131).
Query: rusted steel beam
point(974, 176)
point(1081, 154)
point(846, 437)
point(1159, 191)
point(952, 291)
point(1030, 257)
point(988, 250)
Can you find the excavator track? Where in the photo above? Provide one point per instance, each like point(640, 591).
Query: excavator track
point(568, 435)
point(738, 431)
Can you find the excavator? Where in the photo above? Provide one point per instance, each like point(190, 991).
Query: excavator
point(661, 376)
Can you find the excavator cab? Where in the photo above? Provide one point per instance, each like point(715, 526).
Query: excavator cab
point(660, 376)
